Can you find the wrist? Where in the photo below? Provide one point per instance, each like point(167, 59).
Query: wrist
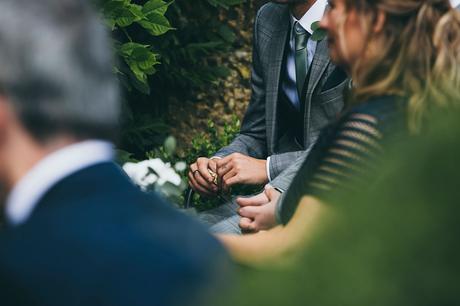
point(264, 169)
point(267, 169)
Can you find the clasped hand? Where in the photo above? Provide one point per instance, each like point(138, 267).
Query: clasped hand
point(230, 170)
point(258, 212)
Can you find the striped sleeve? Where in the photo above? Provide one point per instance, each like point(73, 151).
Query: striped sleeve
point(349, 156)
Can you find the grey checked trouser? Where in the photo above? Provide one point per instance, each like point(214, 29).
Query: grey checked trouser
point(222, 219)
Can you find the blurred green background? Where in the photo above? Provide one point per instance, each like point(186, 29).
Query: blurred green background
point(393, 243)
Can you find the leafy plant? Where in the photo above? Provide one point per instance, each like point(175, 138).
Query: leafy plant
point(167, 51)
point(209, 142)
point(138, 57)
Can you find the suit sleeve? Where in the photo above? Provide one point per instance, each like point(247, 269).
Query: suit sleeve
point(251, 140)
point(283, 168)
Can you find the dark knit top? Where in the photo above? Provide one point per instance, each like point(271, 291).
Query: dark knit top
point(347, 150)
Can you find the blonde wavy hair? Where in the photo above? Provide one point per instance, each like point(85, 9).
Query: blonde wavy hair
point(418, 55)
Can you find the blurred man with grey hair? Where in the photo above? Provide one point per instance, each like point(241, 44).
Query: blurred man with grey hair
point(78, 232)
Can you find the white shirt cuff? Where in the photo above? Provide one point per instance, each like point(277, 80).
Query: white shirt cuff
point(216, 157)
point(276, 188)
point(267, 168)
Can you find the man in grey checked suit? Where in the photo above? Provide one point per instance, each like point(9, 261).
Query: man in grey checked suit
point(296, 91)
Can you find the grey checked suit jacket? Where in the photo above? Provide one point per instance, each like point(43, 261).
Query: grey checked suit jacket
point(258, 136)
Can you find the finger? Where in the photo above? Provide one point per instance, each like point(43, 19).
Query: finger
point(256, 200)
point(203, 182)
point(193, 167)
point(235, 179)
point(246, 225)
point(271, 193)
point(203, 169)
point(249, 211)
point(213, 165)
point(191, 180)
point(226, 178)
point(224, 169)
point(195, 186)
point(221, 162)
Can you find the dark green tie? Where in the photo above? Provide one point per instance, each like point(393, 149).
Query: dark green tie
point(301, 56)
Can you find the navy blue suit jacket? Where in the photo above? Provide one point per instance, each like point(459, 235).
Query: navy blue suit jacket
point(95, 239)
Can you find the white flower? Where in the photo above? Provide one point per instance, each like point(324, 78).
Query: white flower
point(136, 172)
point(149, 180)
point(169, 175)
point(180, 166)
point(152, 171)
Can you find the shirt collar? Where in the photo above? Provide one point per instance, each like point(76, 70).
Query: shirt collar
point(49, 171)
point(455, 3)
point(315, 13)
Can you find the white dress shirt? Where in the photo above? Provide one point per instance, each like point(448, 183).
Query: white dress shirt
point(49, 171)
point(455, 3)
point(314, 14)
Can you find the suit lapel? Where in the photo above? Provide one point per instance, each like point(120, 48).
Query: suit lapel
point(318, 66)
point(276, 59)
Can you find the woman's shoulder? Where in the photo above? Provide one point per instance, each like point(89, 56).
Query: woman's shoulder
point(380, 111)
point(383, 118)
point(380, 107)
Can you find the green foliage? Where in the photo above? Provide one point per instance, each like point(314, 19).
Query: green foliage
point(170, 145)
point(123, 157)
point(188, 54)
point(166, 52)
point(140, 58)
point(207, 144)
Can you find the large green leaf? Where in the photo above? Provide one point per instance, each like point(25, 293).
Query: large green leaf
point(127, 49)
point(145, 58)
point(156, 24)
point(124, 17)
point(156, 6)
point(138, 73)
point(136, 10)
point(140, 59)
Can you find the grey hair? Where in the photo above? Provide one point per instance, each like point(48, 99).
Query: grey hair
point(56, 68)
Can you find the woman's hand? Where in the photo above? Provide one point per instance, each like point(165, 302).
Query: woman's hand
point(258, 212)
point(281, 244)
